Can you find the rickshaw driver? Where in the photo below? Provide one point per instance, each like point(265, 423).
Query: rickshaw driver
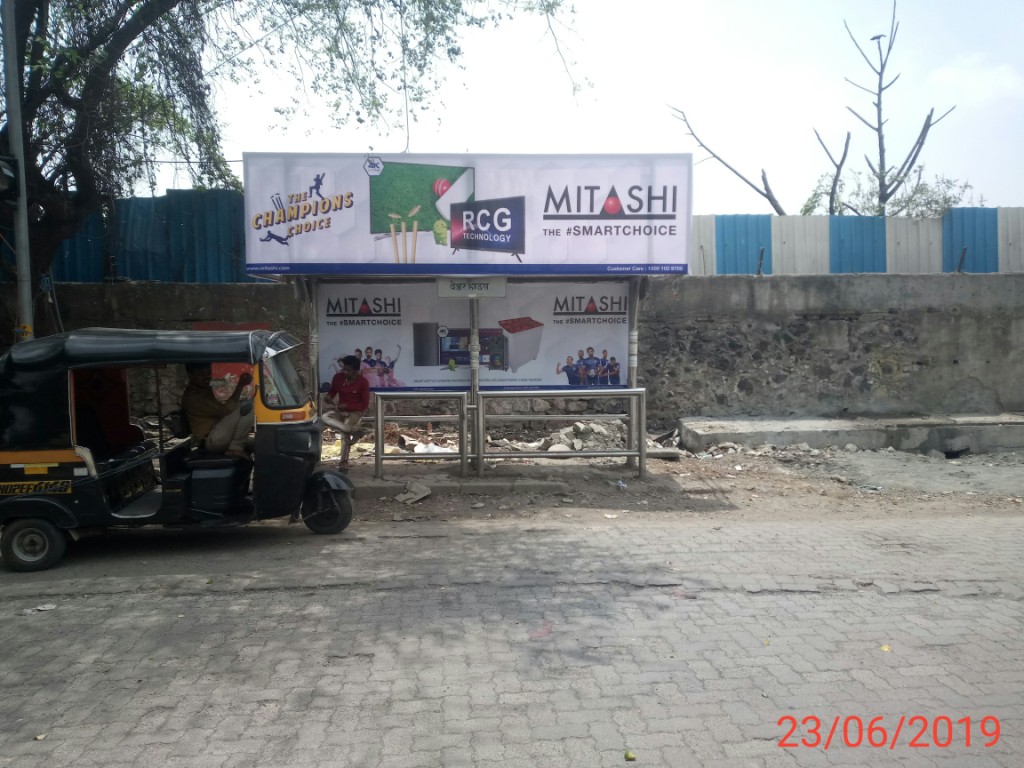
point(217, 427)
point(350, 395)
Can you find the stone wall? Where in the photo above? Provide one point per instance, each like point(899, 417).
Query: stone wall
point(833, 345)
point(822, 345)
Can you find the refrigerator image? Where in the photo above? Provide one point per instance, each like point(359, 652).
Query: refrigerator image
point(424, 344)
point(522, 341)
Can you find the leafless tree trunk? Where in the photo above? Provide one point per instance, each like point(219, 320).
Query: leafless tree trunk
point(833, 195)
point(765, 192)
point(888, 178)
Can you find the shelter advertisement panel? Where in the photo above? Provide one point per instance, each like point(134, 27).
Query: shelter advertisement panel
point(538, 336)
point(467, 214)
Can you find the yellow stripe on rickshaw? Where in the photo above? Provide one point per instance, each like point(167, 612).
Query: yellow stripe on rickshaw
point(27, 458)
point(38, 469)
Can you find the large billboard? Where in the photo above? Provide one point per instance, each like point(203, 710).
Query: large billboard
point(467, 214)
point(537, 336)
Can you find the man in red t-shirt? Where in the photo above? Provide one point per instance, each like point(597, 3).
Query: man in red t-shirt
point(350, 396)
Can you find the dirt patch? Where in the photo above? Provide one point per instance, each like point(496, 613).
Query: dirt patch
point(994, 473)
point(737, 482)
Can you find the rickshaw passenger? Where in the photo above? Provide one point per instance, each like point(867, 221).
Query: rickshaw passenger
point(217, 426)
point(102, 421)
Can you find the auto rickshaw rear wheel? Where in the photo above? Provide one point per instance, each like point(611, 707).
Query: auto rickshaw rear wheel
point(32, 544)
point(326, 510)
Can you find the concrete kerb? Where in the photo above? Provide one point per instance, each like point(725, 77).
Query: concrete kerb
point(977, 433)
point(396, 482)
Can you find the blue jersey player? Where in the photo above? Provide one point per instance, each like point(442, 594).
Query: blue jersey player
point(591, 364)
point(572, 373)
point(613, 372)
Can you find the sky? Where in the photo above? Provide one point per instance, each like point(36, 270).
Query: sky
point(754, 77)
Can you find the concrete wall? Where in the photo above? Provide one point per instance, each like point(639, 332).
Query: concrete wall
point(809, 345)
point(834, 345)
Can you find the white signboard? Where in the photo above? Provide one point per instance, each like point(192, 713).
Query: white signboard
point(467, 214)
point(470, 287)
point(539, 336)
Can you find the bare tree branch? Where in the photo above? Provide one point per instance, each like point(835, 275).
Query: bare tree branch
point(766, 193)
point(770, 196)
point(887, 178)
point(857, 46)
point(834, 192)
point(558, 49)
point(869, 125)
point(909, 161)
point(858, 85)
point(944, 114)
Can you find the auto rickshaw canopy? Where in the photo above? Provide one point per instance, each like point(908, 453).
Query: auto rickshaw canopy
point(111, 347)
point(35, 409)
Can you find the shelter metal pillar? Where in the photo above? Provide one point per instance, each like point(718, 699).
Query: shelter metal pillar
point(476, 446)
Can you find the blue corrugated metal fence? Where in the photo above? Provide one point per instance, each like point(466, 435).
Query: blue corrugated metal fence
point(198, 237)
point(856, 244)
point(977, 230)
point(743, 242)
point(188, 236)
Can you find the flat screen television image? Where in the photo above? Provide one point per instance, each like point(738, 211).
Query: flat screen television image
point(455, 346)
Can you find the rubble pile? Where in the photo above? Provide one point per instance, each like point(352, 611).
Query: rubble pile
point(581, 436)
point(801, 452)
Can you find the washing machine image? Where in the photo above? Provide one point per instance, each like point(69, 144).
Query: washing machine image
point(522, 341)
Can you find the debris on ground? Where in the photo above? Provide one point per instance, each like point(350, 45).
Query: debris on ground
point(38, 609)
point(432, 448)
point(413, 492)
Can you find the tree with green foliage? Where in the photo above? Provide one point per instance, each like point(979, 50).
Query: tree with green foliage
point(108, 87)
point(885, 189)
point(857, 195)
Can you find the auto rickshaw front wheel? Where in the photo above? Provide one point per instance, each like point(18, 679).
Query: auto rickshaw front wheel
point(327, 510)
point(32, 544)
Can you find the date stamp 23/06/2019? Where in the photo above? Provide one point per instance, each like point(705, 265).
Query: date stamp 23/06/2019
point(916, 731)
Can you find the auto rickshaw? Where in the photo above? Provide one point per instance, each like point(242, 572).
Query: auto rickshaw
point(73, 461)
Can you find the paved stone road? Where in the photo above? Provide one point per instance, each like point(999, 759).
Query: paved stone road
point(541, 644)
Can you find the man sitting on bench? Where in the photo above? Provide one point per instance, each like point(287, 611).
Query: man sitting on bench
point(350, 396)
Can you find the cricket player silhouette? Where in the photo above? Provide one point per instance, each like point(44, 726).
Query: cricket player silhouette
point(317, 181)
point(271, 236)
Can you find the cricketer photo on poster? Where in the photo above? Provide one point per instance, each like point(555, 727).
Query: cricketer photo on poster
point(539, 336)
